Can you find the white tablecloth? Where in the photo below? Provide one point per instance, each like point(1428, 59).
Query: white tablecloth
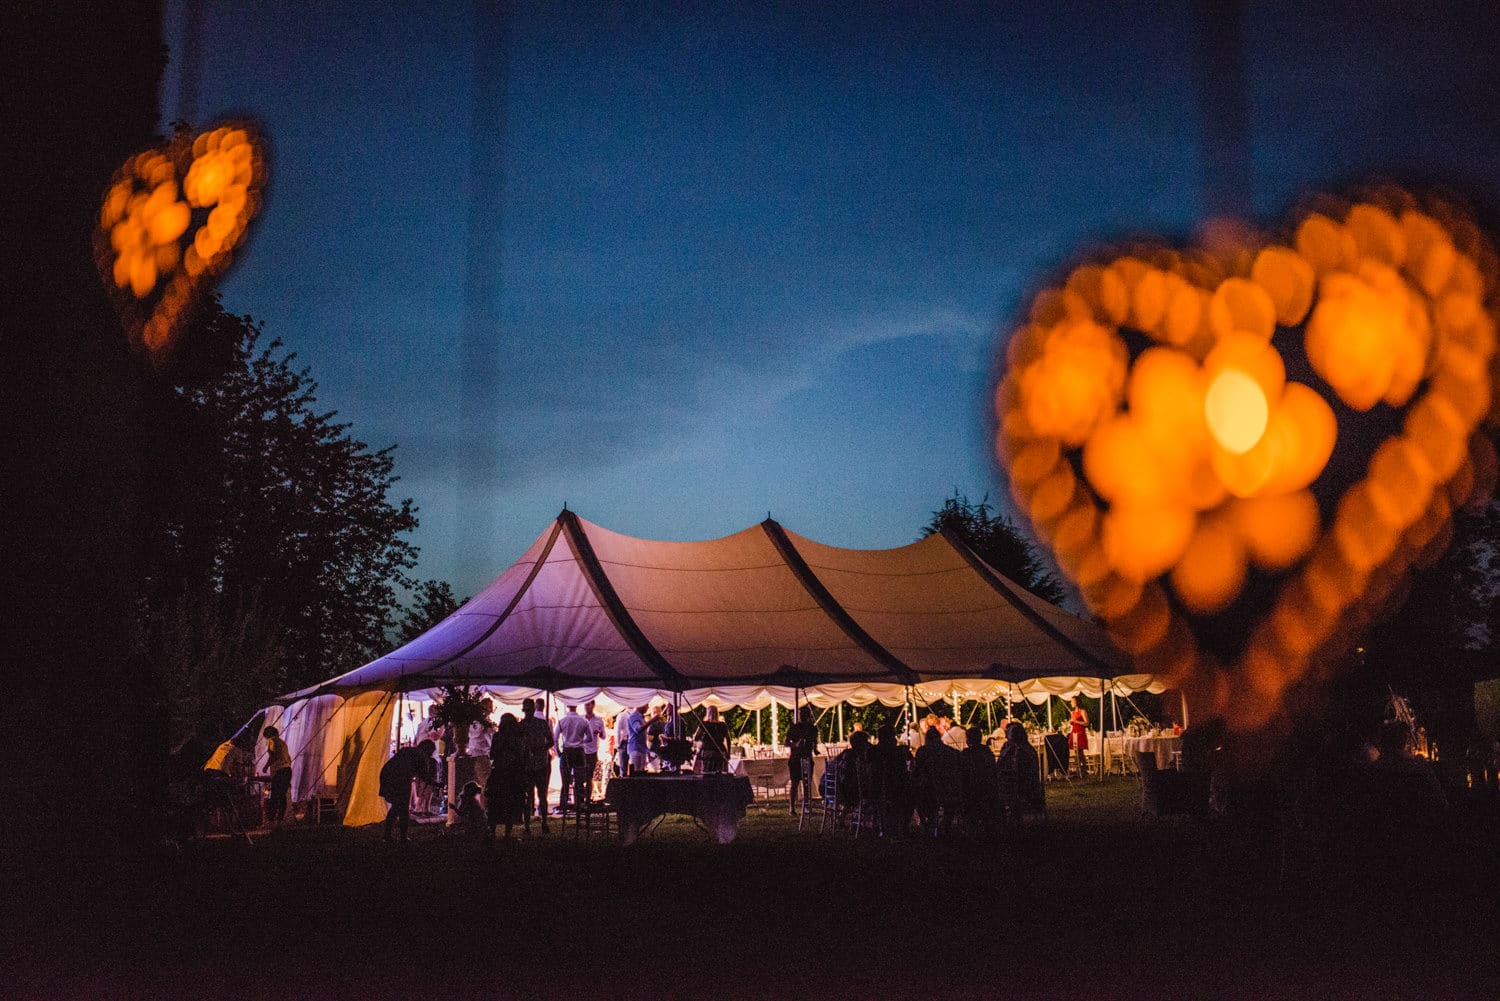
point(1161, 746)
point(771, 776)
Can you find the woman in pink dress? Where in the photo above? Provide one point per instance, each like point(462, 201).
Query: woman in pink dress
point(1078, 732)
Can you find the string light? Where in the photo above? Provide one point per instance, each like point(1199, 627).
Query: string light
point(1175, 473)
point(160, 246)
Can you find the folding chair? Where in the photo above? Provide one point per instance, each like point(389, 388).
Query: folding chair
point(800, 772)
point(603, 809)
point(828, 794)
point(870, 806)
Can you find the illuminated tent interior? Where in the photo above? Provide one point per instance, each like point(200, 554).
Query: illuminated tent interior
point(759, 616)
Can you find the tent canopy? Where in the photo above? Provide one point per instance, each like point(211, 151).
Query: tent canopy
point(733, 619)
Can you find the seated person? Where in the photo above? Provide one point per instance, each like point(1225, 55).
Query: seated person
point(938, 783)
point(1021, 788)
point(1406, 787)
point(892, 772)
point(981, 792)
point(473, 821)
point(854, 764)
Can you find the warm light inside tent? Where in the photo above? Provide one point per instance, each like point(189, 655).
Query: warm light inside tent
point(1236, 409)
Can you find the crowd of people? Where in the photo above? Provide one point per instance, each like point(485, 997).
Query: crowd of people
point(937, 774)
point(954, 779)
point(513, 766)
point(933, 776)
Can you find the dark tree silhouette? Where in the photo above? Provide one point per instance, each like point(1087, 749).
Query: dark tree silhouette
point(1450, 607)
point(998, 542)
point(263, 501)
point(432, 602)
point(219, 662)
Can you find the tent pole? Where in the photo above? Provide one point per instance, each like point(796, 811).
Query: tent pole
point(1103, 748)
point(401, 719)
point(759, 713)
point(1182, 697)
point(841, 722)
point(1049, 712)
point(989, 715)
point(775, 725)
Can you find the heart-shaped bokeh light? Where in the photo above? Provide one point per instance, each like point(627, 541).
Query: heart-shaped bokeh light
point(170, 222)
point(1238, 454)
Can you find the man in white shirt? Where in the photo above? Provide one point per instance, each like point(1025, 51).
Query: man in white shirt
point(622, 739)
point(573, 733)
point(635, 742)
point(591, 749)
point(953, 736)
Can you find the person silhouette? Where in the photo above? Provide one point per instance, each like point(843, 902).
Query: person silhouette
point(536, 738)
point(279, 769)
point(505, 792)
point(802, 744)
point(396, 777)
point(936, 775)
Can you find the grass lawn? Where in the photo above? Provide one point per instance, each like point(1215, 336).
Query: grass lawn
point(1095, 902)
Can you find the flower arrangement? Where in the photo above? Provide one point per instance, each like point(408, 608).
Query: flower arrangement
point(461, 706)
point(746, 740)
point(1137, 725)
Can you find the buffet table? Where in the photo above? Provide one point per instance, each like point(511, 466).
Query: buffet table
point(716, 802)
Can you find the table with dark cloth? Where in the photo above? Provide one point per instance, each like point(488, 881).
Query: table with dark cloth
point(716, 801)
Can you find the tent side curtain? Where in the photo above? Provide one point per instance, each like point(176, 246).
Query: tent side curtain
point(585, 607)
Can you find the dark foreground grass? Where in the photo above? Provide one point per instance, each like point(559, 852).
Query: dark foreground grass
point(1094, 903)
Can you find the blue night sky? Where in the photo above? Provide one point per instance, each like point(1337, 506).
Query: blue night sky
point(760, 257)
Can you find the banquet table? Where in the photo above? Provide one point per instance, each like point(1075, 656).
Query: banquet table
point(773, 774)
point(1162, 746)
point(717, 802)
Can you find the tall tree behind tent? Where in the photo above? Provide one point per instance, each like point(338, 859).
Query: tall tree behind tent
point(432, 601)
point(998, 542)
point(265, 502)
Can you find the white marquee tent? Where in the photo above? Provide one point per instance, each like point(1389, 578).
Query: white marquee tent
point(758, 616)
